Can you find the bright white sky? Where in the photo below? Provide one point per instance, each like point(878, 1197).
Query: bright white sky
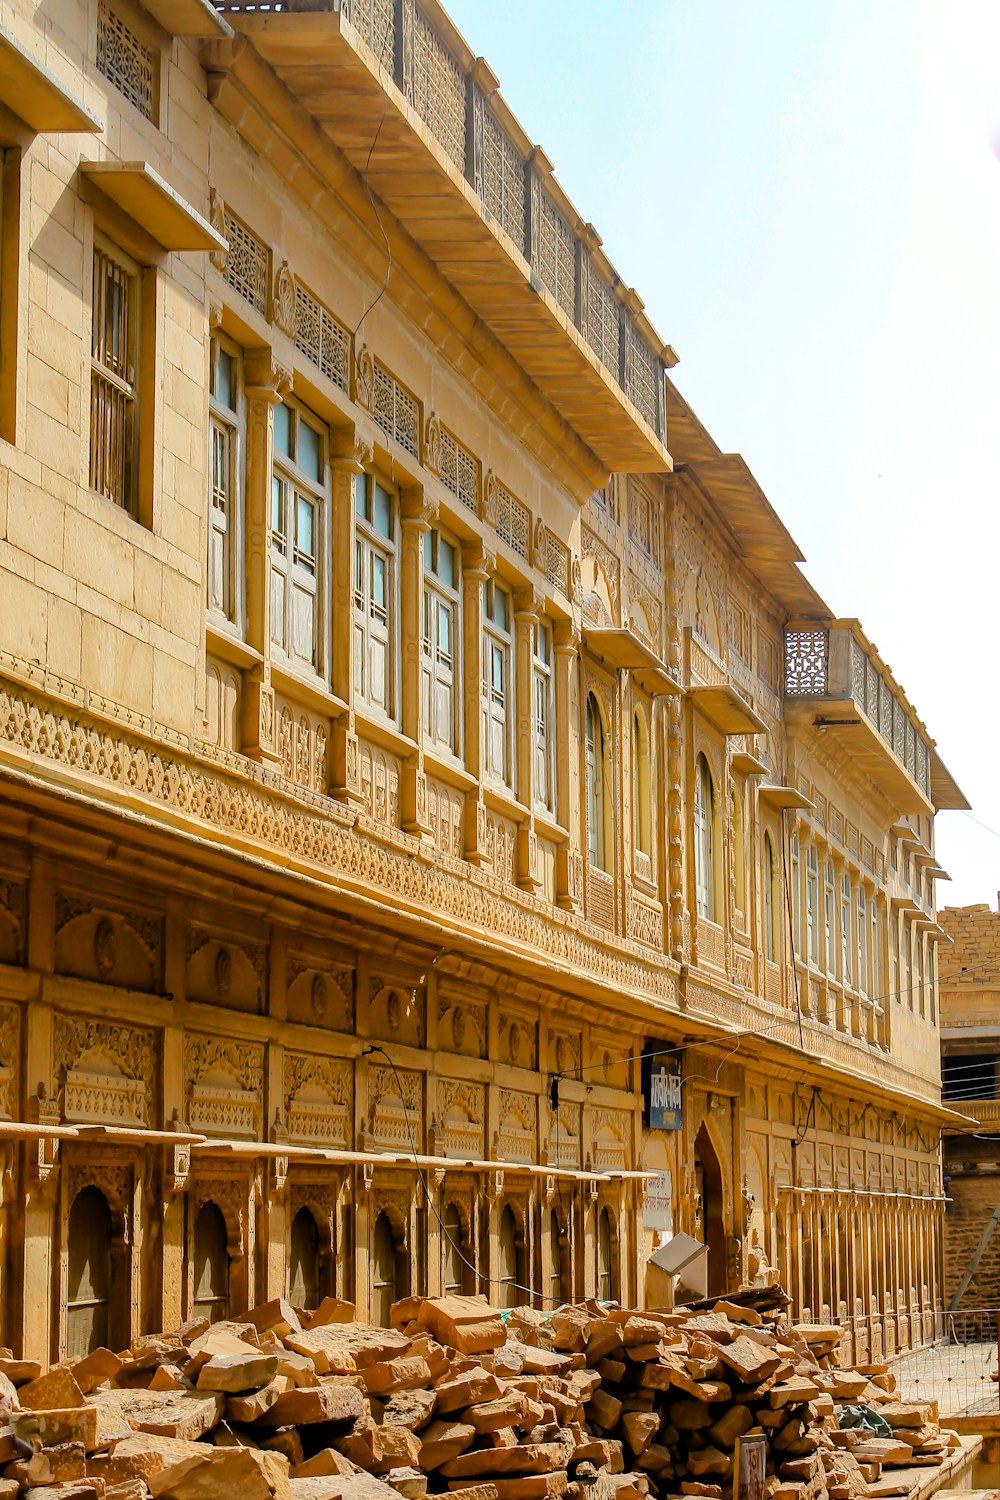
point(806, 193)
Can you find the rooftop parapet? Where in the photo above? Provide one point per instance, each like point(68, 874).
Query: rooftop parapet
point(400, 93)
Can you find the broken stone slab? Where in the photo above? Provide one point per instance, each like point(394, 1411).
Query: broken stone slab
point(74, 1424)
point(443, 1441)
point(506, 1411)
point(247, 1408)
point(639, 1429)
point(341, 1487)
point(405, 1372)
point(412, 1409)
point(750, 1360)
point(221, 1474)
point(236, 1373)
point(59, 1388)
point(306, 1405)
point(526, 1458)
point(343, 1348)
point(471, 1389)
point(276, 1316)
point(186, 1415)
point(733, 1423)
point(330, 1310)
point(96, 1368)
point(20, 1371)
point(468, 1324)
point(379, 1449)
point(709, 1461)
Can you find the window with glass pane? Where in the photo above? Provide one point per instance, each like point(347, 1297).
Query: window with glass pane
point(374, 594)
point(770, 904)
point(298, 489)
point(793, 856)
point(597, 789)
point(862, 942)
point(846, 943)
point(829, 919)
point(113, 386)
point(439, 644)
point(225, 521)
point(704, 854)
point(812, 903)
point(543, 710)
point(497, 682)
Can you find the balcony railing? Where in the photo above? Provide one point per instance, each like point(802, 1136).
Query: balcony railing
point(833, 666)
point(456, 97)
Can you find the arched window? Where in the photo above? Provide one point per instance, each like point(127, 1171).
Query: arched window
point(556, 1257)
point(704, 841)
point(641, 794)
point(303, 1272)
point(89, 1282)
point(211, 1264)
point(454, 1266)
point(739, 851)
point(387, 1280)
point(510, 1292)
point(607, 1291)
point(772, 906)
point(599, 839)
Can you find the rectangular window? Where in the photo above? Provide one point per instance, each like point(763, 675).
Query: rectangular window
point(440, 638)
point(862, 942)
point(375, 594)
point(829, 920)
point(543, 716)
point(498, 699)
point(812, 904)
point(225, 521)
point(113, 377)
point(793, 856)
point(846, 944)
point(298, 490)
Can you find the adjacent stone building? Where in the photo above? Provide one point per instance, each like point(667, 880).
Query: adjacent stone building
point(970, 1055)
point(415, 731)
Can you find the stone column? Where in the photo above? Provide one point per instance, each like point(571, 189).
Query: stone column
point(267, 383)
point(417, 513)
point(477, 565)
point(569, 861)
point(349, 455)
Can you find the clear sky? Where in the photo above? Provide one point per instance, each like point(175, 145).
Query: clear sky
point(806, 194)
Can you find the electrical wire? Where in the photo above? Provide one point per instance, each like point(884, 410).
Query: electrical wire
point(476, 1270)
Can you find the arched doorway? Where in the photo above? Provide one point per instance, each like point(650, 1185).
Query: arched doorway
point(304, 1261)
point(88, 1289)
point(607, 1257)
point(556, 1293)
point(708, 1181)
point(454, 1267)
point(390, 1269)
point(211, 1264)
point(508, 1259)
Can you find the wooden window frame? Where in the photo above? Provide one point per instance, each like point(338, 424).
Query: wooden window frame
point(286, 552)
point(230, 421)
point(438, 596)
point(371, 544)
point(543, 713)
point(498, 646)
point(128, 497)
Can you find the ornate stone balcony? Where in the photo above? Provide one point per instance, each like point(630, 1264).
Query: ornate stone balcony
point(397, 89)
point(835, 679)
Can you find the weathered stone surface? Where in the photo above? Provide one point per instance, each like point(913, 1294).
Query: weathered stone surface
point(470, 1389)
point(168, 1415)
point(412, 1409)
point(442, 1441)
point(75, 1424)
point(468, 1324)
point(59, 1388)
point(306, 1405)
point(342, 1348)
point(235, 1373)
point(406, 1372)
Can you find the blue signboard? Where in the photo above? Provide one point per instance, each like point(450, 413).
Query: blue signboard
point(664, 1101)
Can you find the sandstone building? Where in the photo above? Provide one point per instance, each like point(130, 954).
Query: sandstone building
point(970, 1054)
point(415, 731)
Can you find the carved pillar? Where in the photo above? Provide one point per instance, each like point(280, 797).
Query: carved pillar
point(349, 456)
point(417, 513)
point(528, 607)
point(267, 382)
point(569, 862)
point(478, 564)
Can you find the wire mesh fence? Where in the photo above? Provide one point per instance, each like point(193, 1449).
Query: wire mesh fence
point(958, 1370)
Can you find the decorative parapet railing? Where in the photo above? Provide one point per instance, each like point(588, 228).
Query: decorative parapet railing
point(836, 665)
point(456, 97)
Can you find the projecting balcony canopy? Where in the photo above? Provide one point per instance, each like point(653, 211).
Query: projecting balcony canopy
point(35, 96)
point(140, 192)
point(722, 706)
point(625, 651)
point(424, 125)
point(783, 796)
point(188, 17)
point(835, 679)
point(747, 764)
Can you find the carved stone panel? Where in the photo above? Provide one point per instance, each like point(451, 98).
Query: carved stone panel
point(518, 1040)
point(395, 1109)
point(611, 1135)
point(562, 1143)
point(462, 1026)
point(224, 1081)
point(107, 945)
point(565, 1052)
point(224, 972)
point(318, 1099)
point(10, 1059)
point(517, 1135)
point(106, 1072)
point(459, 1115)
point(318, 995)
point(397, 1012)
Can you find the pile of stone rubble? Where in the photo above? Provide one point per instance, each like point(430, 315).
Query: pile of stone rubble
point(583, 1402)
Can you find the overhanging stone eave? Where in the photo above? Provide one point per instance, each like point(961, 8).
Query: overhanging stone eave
point(354, 103)
point(842, 718)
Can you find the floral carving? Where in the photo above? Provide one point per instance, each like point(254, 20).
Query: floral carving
point(217, 219)
point(364, 378)
point(244, 1061)
point(283, 309)
point(432, 445)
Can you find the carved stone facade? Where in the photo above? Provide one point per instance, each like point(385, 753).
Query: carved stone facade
point(376, 796)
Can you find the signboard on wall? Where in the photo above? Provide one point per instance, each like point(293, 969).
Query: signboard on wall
point(663, 1099)
point(657, 1208)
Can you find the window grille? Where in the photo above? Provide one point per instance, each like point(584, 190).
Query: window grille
point(502, 188)
point(603, 316)
point(113, 380)
point(805, 663)
point(376, 22)
point(396, 411)
point(642, 370)
point(323, 341)
point(554, 561)
point(460, 472)
point(126, 60)
point(513, 522)
point(248, 264)
point(557, 255)
point(438, 88)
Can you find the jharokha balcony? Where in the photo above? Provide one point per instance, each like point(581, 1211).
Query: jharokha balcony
point(836, 681)
point(394, 86)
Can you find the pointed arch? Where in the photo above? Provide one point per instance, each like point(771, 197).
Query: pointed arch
point(704, 839)
point(642, 784)
point(600, 810)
